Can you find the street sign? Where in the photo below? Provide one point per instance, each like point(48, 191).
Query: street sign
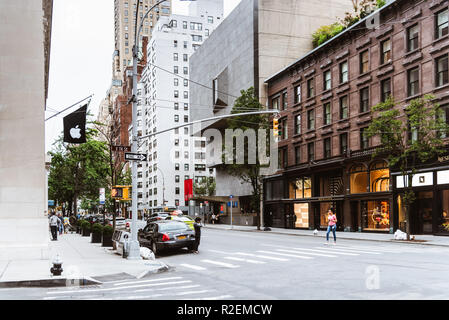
point(102, 195)
point(135, 156)
point(121, 148)
point(51, 203)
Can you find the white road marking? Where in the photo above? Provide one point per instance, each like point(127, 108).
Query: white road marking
point(214, 298)
point(335, 250)
point(145, 281)
point(286, 255)
point(169, 288)
point(261, 256)
point(223, 264)
point(309, 253)
point(118, 288)
point(191, 266)
point(245, 260)
point(375, 249)
point(329, 251)
point(162, 295)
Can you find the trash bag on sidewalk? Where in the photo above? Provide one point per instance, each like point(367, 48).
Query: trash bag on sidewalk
point(399, 235)
point(146, 254)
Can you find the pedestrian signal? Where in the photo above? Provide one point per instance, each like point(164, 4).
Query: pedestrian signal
point(117, 192)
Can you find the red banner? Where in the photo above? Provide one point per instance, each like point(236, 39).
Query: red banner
point(188, 189)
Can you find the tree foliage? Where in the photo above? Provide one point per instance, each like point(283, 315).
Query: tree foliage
point(410, 142)
point(205, 187)
point(248, 173)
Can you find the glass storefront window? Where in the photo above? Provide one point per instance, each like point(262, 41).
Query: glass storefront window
point(302, 215)
point(300, 188)
point(376, 215)
point(444, 217)
point(359, 179)
point(401, 214)
point(324, 208)
point(379, 177)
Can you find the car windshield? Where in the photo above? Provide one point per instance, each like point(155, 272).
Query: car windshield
point(172, 226)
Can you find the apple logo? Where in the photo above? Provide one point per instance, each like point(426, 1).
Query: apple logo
point(75, 132)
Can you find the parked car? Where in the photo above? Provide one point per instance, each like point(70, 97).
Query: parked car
point(158, 216)
point(166, 234)
point(119, 222)
point(186, 219)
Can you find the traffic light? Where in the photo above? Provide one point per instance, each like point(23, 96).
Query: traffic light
point(126, 192)
point(275, 127)
point(117, 192)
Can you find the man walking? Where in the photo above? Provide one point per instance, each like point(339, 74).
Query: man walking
point(197, 227)
point(54, 221)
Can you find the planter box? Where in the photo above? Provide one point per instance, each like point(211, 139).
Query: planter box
point(86, 233)
point(106, 241)
point(96, 237)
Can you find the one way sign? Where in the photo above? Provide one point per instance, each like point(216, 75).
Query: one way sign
point(135, 156)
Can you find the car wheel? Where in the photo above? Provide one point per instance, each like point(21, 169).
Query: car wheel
point(154, 248)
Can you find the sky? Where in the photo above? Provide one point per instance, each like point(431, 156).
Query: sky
point(82, 45)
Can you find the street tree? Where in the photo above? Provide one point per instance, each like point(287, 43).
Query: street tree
point(408, 139)
point(247, 172)
point(205, 188)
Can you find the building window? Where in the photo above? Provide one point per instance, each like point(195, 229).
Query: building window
point(186, 70)
point(364, 100)
point(412, 38)
point(275, 103)
point(311, 151)
point(385, 89)
point(284, 101)
point(297, 94)
point(343, 143)
point(186, 94)
point(184, 24)
point(310, 88)
point(442, 71)
point(283, 158)
point(364, 62)
point(176, 94)
point(300, 188)
point(413, 81)
point(177, 190)
point(176, 118)
point(176, 178)
point(344, 75)
point(186, 167)
point(364, 140)
point(177, 166)
point(210, 19)
point(327, 117)
point(298, 124)
point(284, 126)
point(386, 51)
point(175, 57)
point(175, 69)
point(311, 119)
point(358, 179)
point(344, 110)
point(175, 82)
point(185, 57)
point(376, 215)
point(445, 117)
point(327, 148)
point(176, 106)
point(441, 24)
point(297, 155)
point(327, 85)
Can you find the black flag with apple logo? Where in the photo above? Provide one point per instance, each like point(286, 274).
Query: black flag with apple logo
point(75, 126)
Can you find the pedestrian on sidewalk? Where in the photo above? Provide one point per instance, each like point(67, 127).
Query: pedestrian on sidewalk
point(54, 221)
point(213, 218)
point(60, 224)
point(197, 227)
point(332, 226)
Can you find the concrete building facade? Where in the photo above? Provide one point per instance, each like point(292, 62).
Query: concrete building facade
point(24, 67)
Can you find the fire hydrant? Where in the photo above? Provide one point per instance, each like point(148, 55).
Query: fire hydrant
point(56, 270)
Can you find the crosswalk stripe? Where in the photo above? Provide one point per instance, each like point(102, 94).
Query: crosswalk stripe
point(328, 251)
point(334, 250)
point(261, 256)
point(287, 255)
point(309, 253)
point(245, 260)
point(354, 250)
point(194, 267)
point(223, 264)
point(386, 250)
point(169, 288)
point(146, 281)
point(118, 288)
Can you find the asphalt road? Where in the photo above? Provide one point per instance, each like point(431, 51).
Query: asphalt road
point(235, 265)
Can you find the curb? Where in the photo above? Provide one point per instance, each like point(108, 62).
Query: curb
point(311, 235)
point(64, 282)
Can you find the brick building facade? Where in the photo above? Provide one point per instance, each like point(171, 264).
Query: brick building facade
point(325, 101)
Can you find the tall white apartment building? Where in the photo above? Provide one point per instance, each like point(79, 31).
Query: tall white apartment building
point(163, 102)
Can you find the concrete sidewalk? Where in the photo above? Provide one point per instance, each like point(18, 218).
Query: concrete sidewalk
point(84, 263)
point(419, 239)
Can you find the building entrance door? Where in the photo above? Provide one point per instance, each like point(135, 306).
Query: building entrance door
point(355, 216)
point(421, 222)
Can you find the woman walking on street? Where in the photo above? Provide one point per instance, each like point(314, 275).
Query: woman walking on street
point(332, 226)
